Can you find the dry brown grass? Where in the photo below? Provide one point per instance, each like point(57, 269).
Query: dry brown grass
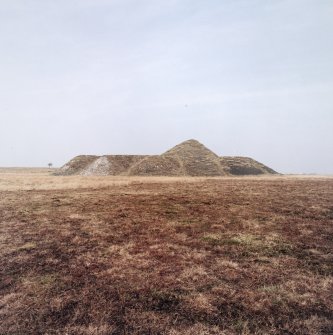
point(113, 255)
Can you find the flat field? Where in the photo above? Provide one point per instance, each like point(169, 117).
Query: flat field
point(201, 256)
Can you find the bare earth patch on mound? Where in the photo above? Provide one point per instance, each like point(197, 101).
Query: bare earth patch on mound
point(101, 166)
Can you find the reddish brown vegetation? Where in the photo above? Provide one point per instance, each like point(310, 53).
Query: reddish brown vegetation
point(221, 256)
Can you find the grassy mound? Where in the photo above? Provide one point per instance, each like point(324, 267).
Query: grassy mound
point(189, 158)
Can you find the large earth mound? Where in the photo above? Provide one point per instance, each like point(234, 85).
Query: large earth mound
point(190, 158)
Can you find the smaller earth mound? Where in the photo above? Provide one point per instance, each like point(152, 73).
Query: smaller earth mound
point(242, 166)
point(76, 165)
point(99, 165)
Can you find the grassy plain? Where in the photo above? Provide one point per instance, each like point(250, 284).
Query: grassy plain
point(119, 255)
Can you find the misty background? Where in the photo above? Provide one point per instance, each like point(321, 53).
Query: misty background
point(247, 78)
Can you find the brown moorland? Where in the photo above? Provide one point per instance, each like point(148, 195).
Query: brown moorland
point(108, 255)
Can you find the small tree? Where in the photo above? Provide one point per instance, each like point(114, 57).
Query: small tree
point(50, 165)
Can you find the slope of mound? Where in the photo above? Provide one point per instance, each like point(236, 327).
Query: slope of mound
point(76, 165)
point(157, 166)
point(241, 166)
point(100, 167)
point(121, 163)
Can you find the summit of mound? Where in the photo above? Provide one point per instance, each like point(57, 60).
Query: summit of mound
point(190, 147)
point(189, 158)
point(196, 159)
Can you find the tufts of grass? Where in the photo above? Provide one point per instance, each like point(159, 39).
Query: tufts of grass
point(261, 245)
point(27, 246)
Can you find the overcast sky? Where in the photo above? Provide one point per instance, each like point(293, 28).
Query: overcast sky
point(244, 77)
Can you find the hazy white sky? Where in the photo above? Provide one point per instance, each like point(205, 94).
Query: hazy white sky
point(244, 77)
